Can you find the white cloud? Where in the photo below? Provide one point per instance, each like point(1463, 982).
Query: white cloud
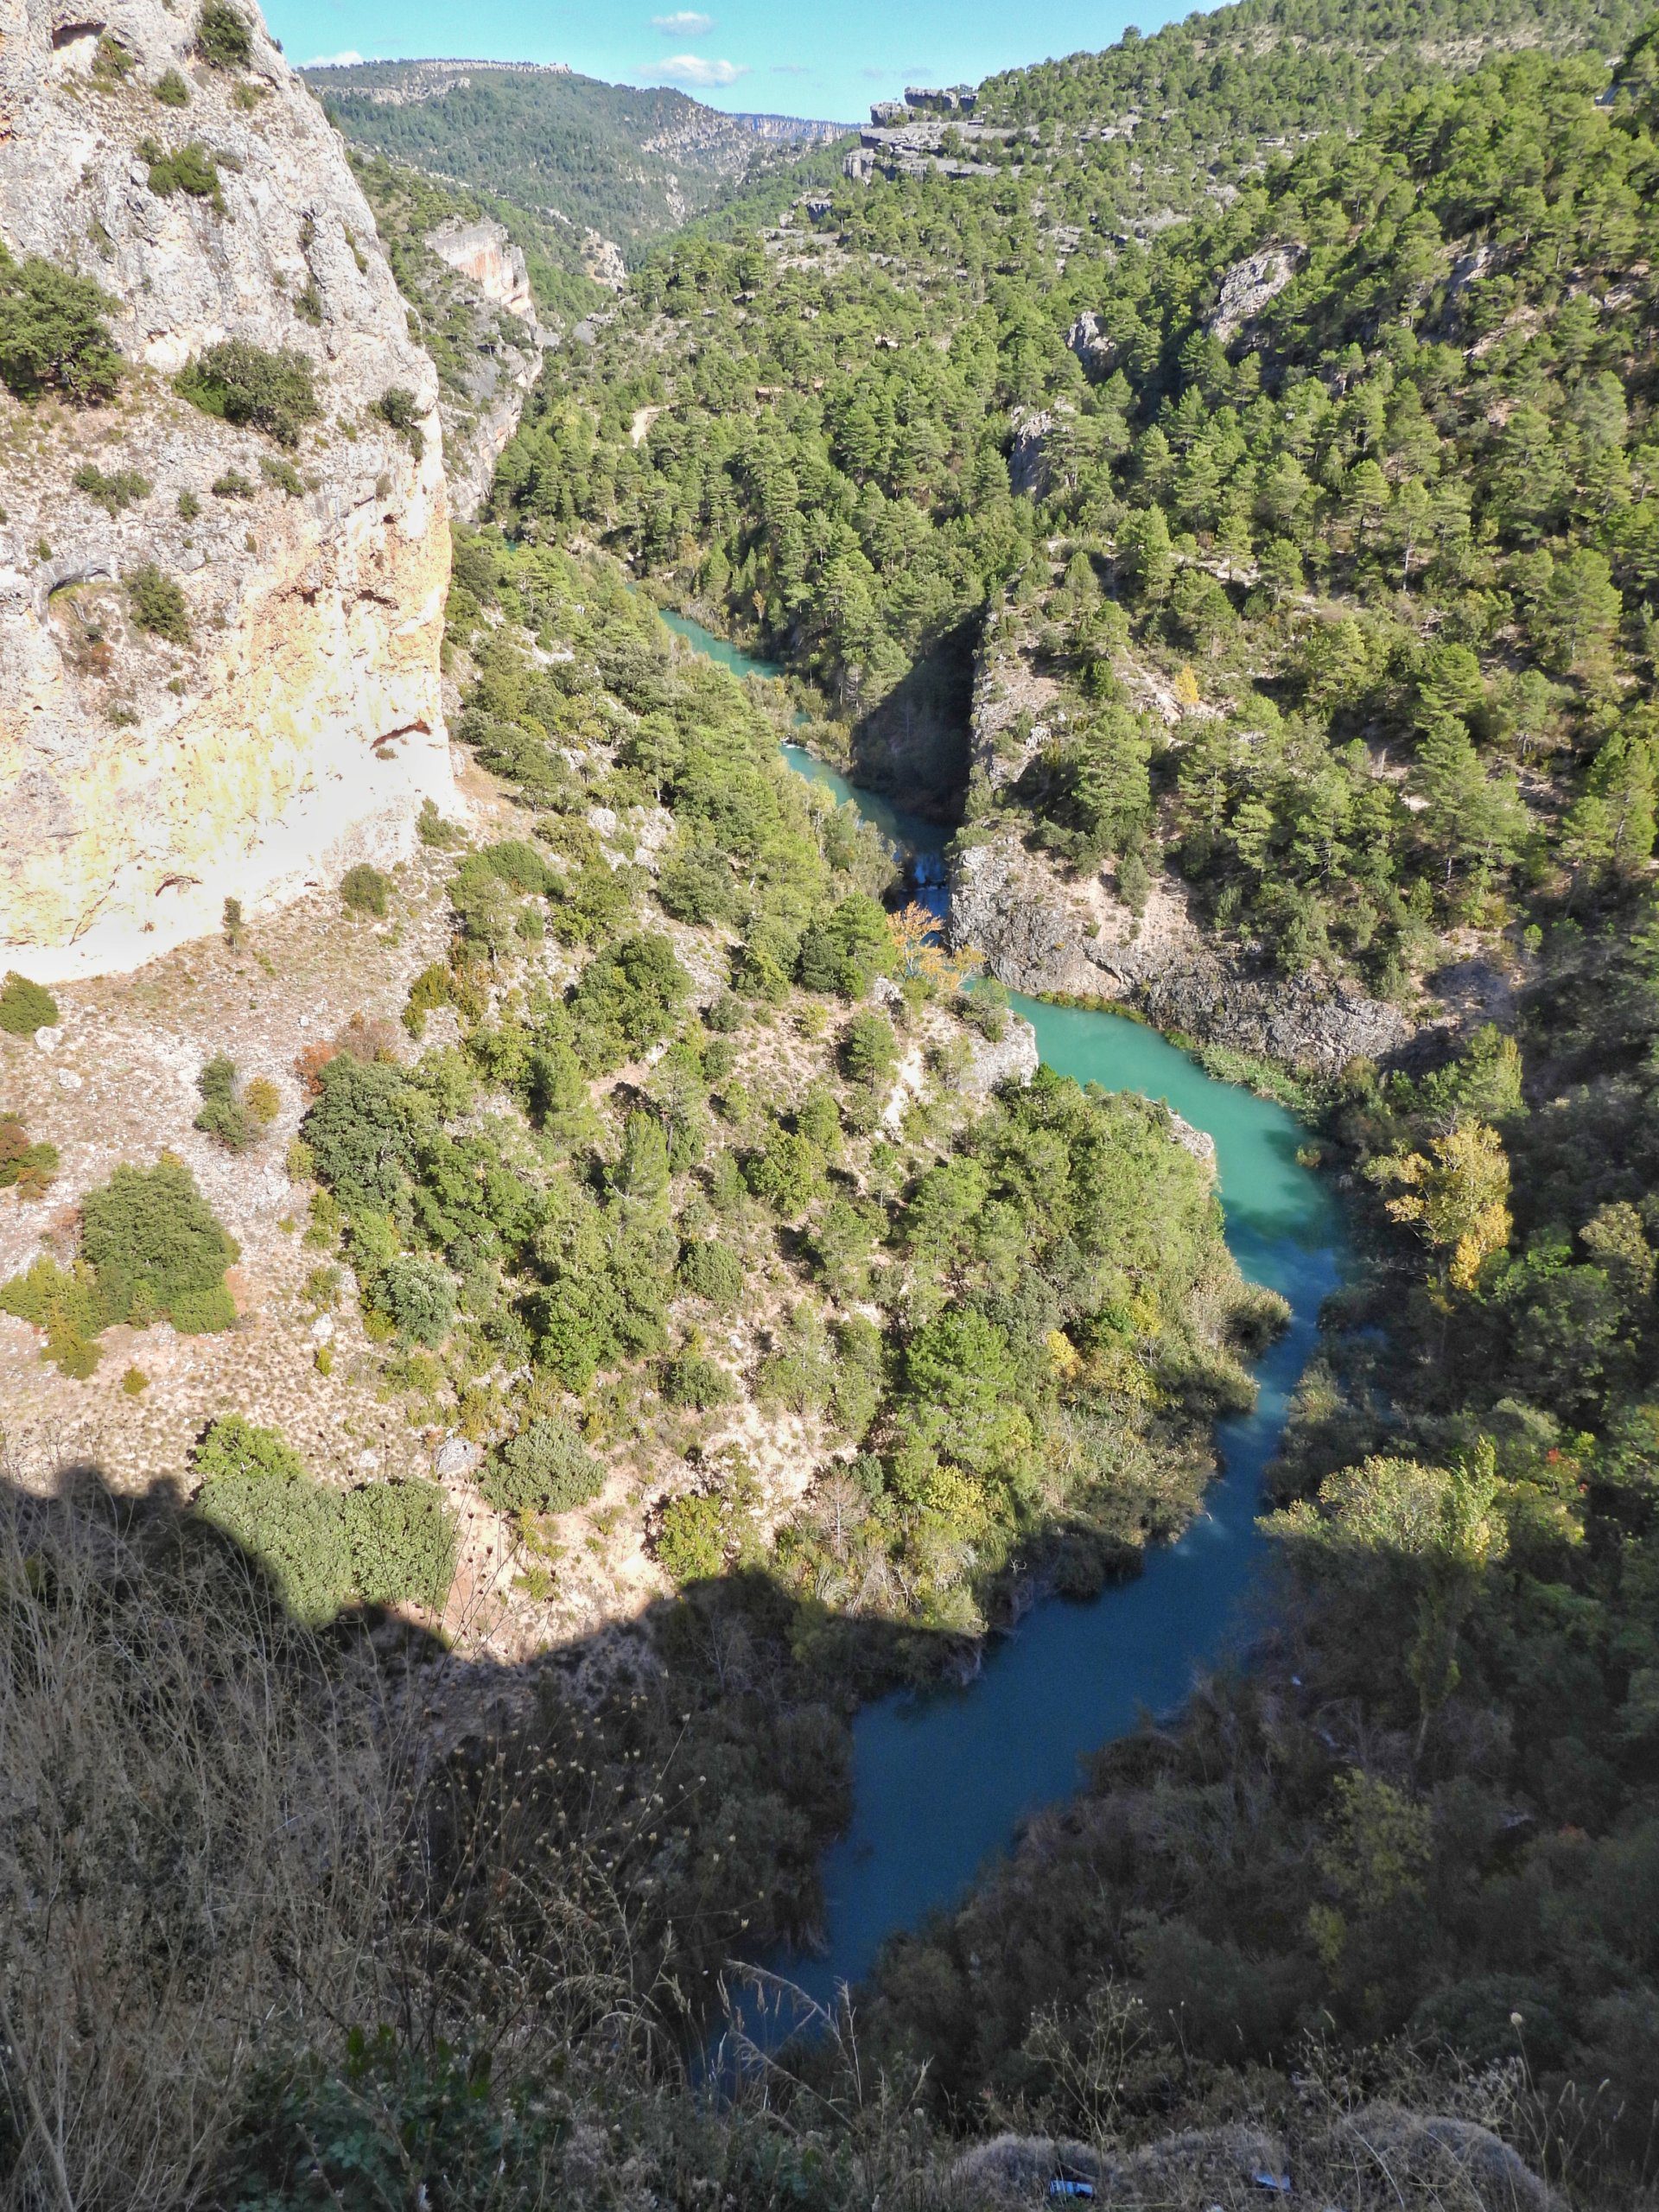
point(696, 69)
point(685, 24)
point(350, 60)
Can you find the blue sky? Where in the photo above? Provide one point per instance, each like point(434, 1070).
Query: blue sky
point(819, 58)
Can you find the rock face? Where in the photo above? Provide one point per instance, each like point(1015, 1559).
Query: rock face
point(483, 252)
point(1034, 933)
point(1250, 285)
point(1039, 931)
point(1383, 2153)
point(1012, 1058)
point(299, 726)
point(483, 401)
point(1093, 344)
point(1028, 451)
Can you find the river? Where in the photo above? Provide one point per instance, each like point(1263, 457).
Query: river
point(943, 1777)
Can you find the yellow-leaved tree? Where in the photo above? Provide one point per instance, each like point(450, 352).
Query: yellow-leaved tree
point(1457, 1197)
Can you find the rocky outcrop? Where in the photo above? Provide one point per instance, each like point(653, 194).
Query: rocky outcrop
point(1012, 1058)
point(1416, 2162)
point(1093, 344)
point(1028, 451)
point(483, 253)
point(1302, 1021)
point(1188, 2169)
point(602, 260)
point(1198, 1142)
point(482, 400)
point(1250, 285)
point(293, 721)
point(1037, 934)
point(1010, 908)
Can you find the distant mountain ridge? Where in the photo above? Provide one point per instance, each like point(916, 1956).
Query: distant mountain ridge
point(630, 163)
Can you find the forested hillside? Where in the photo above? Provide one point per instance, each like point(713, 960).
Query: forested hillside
point(1331, 515)
point(627, 164)
point(1238, 76)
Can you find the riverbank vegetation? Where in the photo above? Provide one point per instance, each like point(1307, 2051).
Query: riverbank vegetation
point(708, 1144)
point(1426, 1810)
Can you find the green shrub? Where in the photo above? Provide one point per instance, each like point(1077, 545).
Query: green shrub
point(284, 475)
point(189, 506)
point(870, 1050)
point(433, 830)
point(546, 1468)
point(400, 410)
point(171, 90)
point(64, 1303)
point(787, 1171)
point(112, 63)
point(234, 485)
point(245, 384)
point(418, 1297)
point(691, 1538)
point(256, 1490)
point(25, 1007)
point(401, 1536)
point(27, 1169)
point(151, 1239)
point(223, 39)
point(124, 489)
point(52, 334)
point(157, 604)
point(430, 989)
point(223, 1115)
point(712, 1271)
point(691, 1379)
point(365, 890)
point(203, 1312)
point(630, 994)
point(192, 169)
point(985, 1009)
point(800, 1371)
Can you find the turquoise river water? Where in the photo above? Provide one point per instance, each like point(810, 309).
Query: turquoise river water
point(941, 1778)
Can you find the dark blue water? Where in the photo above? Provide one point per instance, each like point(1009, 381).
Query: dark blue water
point(943, 1777)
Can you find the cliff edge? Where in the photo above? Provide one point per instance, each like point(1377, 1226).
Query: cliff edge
point(222, 582)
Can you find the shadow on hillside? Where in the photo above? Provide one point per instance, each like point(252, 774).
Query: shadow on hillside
point(914, 746)
point(670, 1782)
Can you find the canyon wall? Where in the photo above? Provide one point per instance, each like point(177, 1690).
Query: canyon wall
point(1043, 928)
point(285, 719)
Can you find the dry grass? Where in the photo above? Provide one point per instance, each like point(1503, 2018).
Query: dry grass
point(220, 1845)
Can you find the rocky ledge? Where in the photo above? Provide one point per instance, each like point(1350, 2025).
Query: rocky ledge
point(1039, 934)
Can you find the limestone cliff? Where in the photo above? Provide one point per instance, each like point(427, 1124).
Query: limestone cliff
point(292, 723)
point(482, 399)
